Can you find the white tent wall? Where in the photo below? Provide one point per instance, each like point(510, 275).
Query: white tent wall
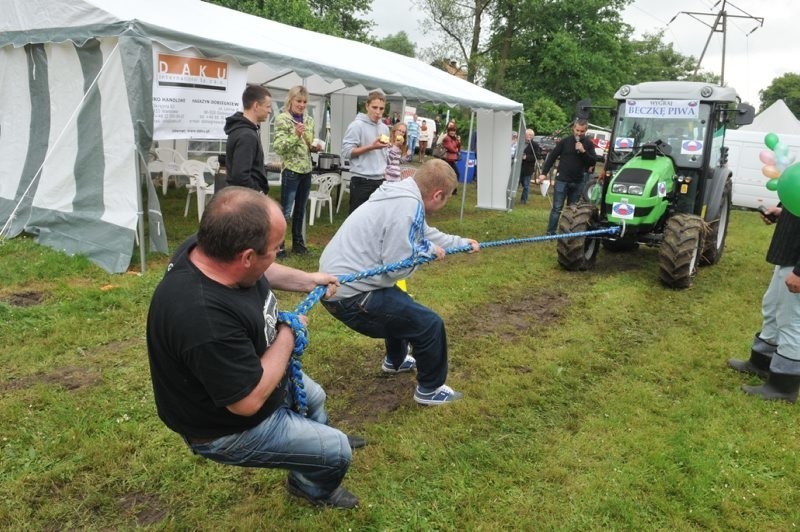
point(77, 188)
point(494, 158)
point(343, 111)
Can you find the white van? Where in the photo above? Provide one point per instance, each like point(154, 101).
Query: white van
point(749, 184)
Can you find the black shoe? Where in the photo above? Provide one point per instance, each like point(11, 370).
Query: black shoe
point(339, 498)
point(356, 442)
point(779, 387)
point(282, 252)
point(299, 249)
point(760, 358)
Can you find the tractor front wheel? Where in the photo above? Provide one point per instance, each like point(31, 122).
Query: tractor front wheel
point(680, 250)
point(579, 253)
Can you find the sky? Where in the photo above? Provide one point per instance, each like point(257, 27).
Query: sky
point(751, 61)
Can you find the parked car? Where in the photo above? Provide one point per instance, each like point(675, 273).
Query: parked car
point(546, 143)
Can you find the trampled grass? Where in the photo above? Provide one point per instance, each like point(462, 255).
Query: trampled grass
point(595, 400)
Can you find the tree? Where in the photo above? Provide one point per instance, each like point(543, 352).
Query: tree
point(786, 88)
point(332, 17)
point(655, 60)
point(545, 116)
point(461, 23)
point(562, 50)
point(398, 43)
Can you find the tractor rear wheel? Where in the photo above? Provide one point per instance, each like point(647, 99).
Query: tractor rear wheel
point(579, 253)
point(680, 250)
point(717, 231)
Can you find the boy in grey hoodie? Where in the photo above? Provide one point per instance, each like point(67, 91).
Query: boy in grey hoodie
point(365, 145)
point(388, 228)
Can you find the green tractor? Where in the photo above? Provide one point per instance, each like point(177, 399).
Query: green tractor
point(665, 182)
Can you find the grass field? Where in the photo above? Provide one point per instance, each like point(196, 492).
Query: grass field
point(596, 400)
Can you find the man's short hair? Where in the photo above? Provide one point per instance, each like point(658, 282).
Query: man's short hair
point(433, 175)
point(376, 95)
point(236, 219)
point(253, 94)
point(580, 122)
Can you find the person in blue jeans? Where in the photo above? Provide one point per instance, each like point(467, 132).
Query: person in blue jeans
point(413, 136)
point(390, 227)
point(575, 154)
point(294, 136)
point(219, 357)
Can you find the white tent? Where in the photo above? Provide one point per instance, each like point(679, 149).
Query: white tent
point(76, 112)
point(777, 118)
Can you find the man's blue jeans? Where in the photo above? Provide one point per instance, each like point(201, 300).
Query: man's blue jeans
point(294, 195)
point(563, 190)
point(392, 314)
point(316, 455)
point(525, 183)
point(412, 145)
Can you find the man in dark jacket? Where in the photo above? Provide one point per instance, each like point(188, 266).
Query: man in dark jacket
point(244, 155)
point(575, 154)
point(775, 353)
point(530, 159)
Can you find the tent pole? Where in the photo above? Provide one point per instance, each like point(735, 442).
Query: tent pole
point(466, 166)
point(140, 209)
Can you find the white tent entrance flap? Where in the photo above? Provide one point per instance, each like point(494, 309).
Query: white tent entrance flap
point(69, 143)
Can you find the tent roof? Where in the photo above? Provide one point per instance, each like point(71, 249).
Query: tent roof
point(285, 53)
point(777, 118)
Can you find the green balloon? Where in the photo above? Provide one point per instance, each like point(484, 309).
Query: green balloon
point(789, 189)
point(771, 139)
point(772, 185)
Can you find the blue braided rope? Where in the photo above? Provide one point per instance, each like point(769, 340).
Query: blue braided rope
point(296, 387)
point(301, 334)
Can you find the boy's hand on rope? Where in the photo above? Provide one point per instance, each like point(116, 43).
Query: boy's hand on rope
point(439, 252)
point(476, 246)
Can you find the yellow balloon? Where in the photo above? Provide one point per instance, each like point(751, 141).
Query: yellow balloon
point(771, 171)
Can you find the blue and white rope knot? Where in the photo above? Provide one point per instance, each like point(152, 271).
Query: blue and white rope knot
point(301, 333)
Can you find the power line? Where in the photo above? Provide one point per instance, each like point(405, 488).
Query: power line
point(720, 25)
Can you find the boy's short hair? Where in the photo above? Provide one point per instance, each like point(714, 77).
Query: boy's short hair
point(376, 95)
point(434, 175)
point(253, 94)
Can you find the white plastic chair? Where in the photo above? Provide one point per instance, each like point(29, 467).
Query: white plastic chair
point(171, 161)
point(196, 170)
point(213, 163)
point(344, 186)
point(322, 195)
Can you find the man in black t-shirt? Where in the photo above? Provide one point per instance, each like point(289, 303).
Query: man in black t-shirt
point(219, 358)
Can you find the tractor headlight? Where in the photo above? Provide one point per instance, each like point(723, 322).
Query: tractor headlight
point(619, 188)
point(635, 190)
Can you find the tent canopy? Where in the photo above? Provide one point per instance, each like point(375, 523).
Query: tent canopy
point(777, 118)
point(76, 117)
point(218, 31)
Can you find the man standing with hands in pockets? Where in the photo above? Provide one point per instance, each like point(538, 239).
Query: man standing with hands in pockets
point(364, 144)
point(575, 154)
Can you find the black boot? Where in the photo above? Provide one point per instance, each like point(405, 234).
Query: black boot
point(299, 248)
point(760, 357)
point(282, 252)
point(779, 386)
